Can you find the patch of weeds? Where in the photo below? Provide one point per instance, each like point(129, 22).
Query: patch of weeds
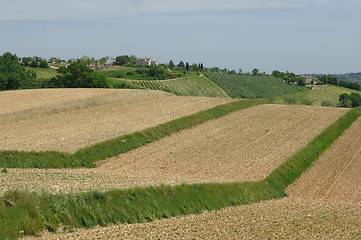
point(4, 170)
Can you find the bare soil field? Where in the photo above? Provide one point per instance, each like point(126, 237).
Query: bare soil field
point(66, 120)
point(288, 218)
point(19, 100)
point(243, 146)
point(336, 175)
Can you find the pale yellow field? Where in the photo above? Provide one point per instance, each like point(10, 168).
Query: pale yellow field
point(66, 121)
point(243, 146)
point(323, 204)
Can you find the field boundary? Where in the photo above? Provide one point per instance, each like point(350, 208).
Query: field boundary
point(29, 213)
point(85, 157)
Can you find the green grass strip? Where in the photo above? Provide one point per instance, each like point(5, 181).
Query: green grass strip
point(85, 157)
point(29, 213)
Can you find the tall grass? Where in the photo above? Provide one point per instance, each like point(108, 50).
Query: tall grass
point(85, 157)
point(29, 213)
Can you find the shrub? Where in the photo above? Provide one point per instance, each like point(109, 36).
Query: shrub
point(4, 170)
point(290, 99)
point(326, 103)
point(308, 101)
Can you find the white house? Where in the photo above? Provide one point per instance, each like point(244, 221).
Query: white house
point(146, 62)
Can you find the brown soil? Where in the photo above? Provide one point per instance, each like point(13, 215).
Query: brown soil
point(288, 218)
point(76, 119)
point(242, 146)
point(336, 176)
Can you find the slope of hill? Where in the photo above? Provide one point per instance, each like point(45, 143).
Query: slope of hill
point(351, 77)
point(247, 86)
point(317, 97)
point(185, 86)
point(67, 119)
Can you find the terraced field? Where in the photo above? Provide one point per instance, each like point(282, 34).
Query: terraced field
point(243, 146)
point(66, 120)
point(318, 97)
point(323, 204)
point(185, 86)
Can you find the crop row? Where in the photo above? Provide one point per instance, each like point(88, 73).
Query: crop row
point(186, 86)
point(318, 97)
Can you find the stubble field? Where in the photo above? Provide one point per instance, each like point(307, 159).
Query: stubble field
point(243, 146)
point(66, 121)
point(322, 204)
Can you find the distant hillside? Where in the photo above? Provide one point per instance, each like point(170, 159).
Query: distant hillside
point(319, 97)
point(186, 86)
point(247, 86)
point(352, 77)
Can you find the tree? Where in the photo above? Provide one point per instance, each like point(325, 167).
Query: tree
point(255, 71)
point(171, 64)
point(13, 74)
point(104, 60)
point(43, 64)
point(181, 64)
point(132, 60)
point(121, 60)
point(301, 81)
point(352, 100)
point(78, 75)
point(187, 66)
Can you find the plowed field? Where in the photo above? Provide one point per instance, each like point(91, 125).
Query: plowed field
point(276, 219)
point(336, 176)
point(67, 120)
point(243, 146)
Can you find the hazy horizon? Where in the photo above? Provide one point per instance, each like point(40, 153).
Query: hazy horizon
point(318, 36)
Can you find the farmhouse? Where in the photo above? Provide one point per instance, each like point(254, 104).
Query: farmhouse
point(146, 62)
point(310, 79)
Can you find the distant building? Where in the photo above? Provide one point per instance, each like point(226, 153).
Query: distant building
point(310, 79)
point(146, 62)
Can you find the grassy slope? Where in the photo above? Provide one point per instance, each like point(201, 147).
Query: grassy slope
point(31, 213)
point(317, 97)
point(44, 72)
point(247, 86)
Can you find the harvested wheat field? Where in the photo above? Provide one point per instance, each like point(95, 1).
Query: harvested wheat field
point(20, 100)
point(336, 175)
point(243, 146)
point(323, 204)
point(288, 218)
point(80, 117)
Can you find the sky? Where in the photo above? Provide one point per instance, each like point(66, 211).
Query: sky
point(300, 36)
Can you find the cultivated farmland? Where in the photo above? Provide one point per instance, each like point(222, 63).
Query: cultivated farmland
point(185, 86)
point(323, 204)
point(317, 97)
point(243, 146)
point(66, 120)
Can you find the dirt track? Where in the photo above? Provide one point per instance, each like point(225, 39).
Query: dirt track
point(79, 118)
point(288, 218)
point(242, 146)
point(336, 176)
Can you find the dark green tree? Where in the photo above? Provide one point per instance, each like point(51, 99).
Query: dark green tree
point(187, 66)
point(171, 64)
point(78, 75)
point(121, 60)
point(13, 74)
point(255, 71)
point(181, 64)
point(43, 64)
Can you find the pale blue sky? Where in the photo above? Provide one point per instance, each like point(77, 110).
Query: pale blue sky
point(302, 36)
